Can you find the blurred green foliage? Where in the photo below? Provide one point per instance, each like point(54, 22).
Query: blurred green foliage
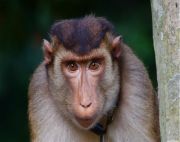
point(23, 25)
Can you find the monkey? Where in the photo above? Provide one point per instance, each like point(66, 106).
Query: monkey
point(91, 80)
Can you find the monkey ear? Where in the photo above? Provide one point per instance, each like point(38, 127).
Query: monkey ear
point(116, 46)
point(47, 49)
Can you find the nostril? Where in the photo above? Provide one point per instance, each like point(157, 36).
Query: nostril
point(86, 105)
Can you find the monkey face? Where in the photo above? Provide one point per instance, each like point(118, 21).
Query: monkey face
point(83, 85)
point(83, 78)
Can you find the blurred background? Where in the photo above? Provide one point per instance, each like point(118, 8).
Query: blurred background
point(23, 25)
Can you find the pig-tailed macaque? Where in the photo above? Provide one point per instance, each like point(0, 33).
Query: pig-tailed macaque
point(91, 88)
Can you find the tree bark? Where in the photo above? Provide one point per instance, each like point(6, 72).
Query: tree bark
point(166, 35)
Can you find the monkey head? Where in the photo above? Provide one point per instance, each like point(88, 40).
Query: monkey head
point(82, 66)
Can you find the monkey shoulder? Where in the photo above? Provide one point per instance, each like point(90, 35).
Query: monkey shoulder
point(131, 63)
point(134, 71)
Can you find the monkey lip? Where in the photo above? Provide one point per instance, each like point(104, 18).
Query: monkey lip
point(85, 122)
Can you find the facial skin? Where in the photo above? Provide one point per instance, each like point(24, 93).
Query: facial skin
point(84, 77)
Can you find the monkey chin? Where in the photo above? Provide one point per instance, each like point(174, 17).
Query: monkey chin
point(85, 123)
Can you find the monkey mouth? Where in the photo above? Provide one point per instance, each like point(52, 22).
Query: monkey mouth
point(85, 122)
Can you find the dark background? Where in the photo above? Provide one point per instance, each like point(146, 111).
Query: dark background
point(23, 25)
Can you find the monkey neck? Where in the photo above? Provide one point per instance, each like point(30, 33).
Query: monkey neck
point(100, 129)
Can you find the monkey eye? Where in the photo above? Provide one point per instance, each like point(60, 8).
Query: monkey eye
point(94, 65)
point(72, 66)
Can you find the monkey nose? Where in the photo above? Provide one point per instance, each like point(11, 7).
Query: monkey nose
point(86, 105)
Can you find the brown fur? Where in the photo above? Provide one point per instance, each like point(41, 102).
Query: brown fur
point(81, 35)
point(136, 119)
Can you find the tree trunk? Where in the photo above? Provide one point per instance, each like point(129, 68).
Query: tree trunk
point(166, 35)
